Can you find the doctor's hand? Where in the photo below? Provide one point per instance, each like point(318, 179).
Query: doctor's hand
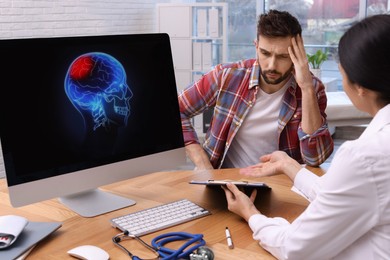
point(239, 203)
point(274, 163)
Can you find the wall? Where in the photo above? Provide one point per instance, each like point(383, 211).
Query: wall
point(48, 18)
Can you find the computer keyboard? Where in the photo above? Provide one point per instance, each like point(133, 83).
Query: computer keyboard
point(160, 217)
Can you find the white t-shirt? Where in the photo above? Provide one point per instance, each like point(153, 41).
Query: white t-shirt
point(349, 213)
point(258, 134)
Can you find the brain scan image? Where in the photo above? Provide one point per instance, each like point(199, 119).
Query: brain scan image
point(96, 85)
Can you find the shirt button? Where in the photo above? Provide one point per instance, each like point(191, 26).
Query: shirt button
point(295, 116)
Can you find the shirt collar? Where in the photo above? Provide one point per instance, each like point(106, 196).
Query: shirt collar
point(381, 119)
point(255, 75)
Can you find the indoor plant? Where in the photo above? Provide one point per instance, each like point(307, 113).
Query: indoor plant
point(315, 61)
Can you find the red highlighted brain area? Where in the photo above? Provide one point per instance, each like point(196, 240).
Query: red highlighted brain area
point(82, 68)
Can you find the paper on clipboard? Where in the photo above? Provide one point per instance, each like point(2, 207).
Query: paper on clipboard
point(244, 184)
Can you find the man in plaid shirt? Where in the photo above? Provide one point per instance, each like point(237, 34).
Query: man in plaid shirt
point(260, 105)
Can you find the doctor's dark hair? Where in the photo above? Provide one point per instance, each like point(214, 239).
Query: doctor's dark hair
point(278, 24)
point(364, 53)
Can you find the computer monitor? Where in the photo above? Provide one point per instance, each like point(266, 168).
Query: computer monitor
point(81, 112)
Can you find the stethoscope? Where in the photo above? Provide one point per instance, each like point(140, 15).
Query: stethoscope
point(159, 242)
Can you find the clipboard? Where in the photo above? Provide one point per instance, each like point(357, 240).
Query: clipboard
point(240, 184)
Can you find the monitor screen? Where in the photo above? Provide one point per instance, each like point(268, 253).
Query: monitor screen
point(80, 112)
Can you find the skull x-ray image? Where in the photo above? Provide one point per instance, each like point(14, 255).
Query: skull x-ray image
point(96, 85)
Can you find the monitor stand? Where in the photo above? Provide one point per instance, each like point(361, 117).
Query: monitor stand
point(95, 202)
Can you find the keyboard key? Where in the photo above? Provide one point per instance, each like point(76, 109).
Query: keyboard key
point(160, 217)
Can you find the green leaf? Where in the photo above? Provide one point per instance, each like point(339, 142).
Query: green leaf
point(315, 60)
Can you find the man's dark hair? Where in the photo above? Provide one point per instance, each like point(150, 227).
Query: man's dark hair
point(278, 24)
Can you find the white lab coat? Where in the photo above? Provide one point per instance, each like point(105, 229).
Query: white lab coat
point(349, 213)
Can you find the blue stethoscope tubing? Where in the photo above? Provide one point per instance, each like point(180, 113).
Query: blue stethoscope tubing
point(170, 254)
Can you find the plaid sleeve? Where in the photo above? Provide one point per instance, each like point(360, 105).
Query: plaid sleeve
point(317, 147)
point(195, 99)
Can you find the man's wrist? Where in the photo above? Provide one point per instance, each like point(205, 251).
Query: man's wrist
point(307, 89)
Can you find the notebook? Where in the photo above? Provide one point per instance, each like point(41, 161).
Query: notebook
point(31, 235)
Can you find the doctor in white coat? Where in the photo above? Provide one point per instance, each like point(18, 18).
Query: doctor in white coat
point(349, 212)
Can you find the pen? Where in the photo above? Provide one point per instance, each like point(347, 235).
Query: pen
point(229, 238)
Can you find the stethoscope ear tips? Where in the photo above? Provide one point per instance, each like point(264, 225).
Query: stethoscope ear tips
point(117, 238)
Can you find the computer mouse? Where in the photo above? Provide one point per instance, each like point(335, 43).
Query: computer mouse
point(89, 252)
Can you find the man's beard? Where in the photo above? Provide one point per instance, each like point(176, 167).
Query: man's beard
point(278, 80)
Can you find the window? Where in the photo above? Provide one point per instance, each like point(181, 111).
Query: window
point(323, 22)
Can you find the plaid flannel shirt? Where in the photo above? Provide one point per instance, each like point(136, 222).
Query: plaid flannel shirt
point(230, 89)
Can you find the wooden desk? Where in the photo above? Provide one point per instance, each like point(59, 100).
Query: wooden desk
point(152, 190)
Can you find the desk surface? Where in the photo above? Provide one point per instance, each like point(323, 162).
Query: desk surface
point(152, 190)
